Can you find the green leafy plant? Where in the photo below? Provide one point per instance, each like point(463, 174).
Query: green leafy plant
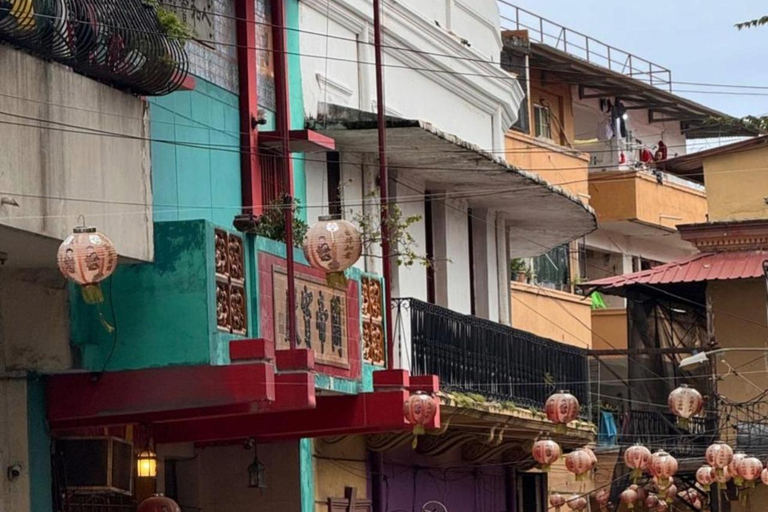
point(402, 243)
point(271, 224)
point(169, 23)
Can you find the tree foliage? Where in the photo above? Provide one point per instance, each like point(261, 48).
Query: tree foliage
point(757, 22)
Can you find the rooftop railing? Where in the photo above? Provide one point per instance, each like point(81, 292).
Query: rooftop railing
point(542, 30)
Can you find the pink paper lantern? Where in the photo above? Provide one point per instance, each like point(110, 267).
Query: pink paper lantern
point(577, 502)
point(719, 455)
point(562, 408)
point(87, 257)
point(557, 500)
point(628, 497)
point(578, 462)
point(749, 469)
point(546, 452)
point(685, 402)
point(704, 476)
point(637, 458)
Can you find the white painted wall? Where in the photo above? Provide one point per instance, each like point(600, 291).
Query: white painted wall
point(34, 320)
point(411, 281)
point(468, 98)
point(56, 175)
point(457, 266)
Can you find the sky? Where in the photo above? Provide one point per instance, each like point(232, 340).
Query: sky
point(696, 39)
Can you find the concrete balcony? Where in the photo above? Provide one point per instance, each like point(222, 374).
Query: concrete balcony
point(639, 203)
point(558, 165)
point(567, 318)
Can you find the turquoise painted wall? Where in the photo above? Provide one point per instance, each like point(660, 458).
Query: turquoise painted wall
point(161, 311)
point(296, 98)
point(198, 175)
point(40, 478)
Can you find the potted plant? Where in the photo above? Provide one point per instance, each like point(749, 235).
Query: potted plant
point(518, 270)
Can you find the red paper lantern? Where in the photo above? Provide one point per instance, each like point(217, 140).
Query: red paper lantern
point(577, 502)
point(546, 452)
point(592, 456)
point(764, 476)
point(87, 257)
point(651, 501)
point(662, 506)
point(685, 402)
point(637, 458)
point(578, 462)
point(719, 455)
point(641, 494)
point(419, 410)
point(557, 501)
point(628, 497)
point(158, 503)
point(562, 408)
point(663, 466)
point(749, 469)
point(704, 476)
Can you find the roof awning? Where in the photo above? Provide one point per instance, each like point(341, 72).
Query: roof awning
point(709, 266)
point(596, 81)
point(542, 216)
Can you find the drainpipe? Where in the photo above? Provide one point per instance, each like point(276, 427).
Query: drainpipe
point(383, 184)
point(283, 126)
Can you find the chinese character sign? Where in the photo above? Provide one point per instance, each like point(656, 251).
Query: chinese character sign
point(321, 317)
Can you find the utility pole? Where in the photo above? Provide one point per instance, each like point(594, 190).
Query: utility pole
point(383, 184)
point(283, 125)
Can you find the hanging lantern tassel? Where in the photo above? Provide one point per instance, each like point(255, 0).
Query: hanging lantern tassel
point(87, 257)
point(336, 280)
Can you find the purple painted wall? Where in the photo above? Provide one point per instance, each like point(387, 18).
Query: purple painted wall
point(447, 479)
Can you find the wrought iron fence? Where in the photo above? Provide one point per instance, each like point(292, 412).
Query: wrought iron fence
point(474, 355)
point(661, 430)
point(119, 42)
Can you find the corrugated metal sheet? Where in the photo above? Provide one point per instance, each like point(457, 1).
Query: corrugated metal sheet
point(709, 266)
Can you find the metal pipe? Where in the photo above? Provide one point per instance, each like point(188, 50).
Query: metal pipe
point(383, 183)
point(283, 126)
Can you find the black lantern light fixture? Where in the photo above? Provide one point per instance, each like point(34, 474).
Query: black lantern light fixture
point(257, 473)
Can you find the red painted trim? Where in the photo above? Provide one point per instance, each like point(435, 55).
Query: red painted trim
point(426, 383)
point(398, 379)
point(297, 359)
point(251, 350)
point(188, 84)
point(250, 171)
point(157, 394)
point(300, 140)
point(334, 415)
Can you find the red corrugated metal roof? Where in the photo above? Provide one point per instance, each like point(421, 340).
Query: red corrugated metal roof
point(707, 266)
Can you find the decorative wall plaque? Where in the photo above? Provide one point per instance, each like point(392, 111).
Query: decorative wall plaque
point(231, 311)
point(321, 317)
point(373, 322)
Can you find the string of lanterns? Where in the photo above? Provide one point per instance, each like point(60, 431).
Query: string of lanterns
point(722, 465)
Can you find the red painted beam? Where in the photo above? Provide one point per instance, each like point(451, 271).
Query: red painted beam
point(301, 141)
point(334, 415)
point(157, 394)
point(250, 171)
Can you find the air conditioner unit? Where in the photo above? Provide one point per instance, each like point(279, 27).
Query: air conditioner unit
point(96, 464)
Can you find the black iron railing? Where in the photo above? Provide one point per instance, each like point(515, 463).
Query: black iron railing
point(122, 43)
point(661, 430)
point(473, 355)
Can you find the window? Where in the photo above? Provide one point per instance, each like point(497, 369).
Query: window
point(541, 119)
point(532, 492)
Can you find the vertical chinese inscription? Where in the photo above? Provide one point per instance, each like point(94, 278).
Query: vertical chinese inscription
point(373, 321)
point(321, 317)
point(198, 15)
point(231, 299)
